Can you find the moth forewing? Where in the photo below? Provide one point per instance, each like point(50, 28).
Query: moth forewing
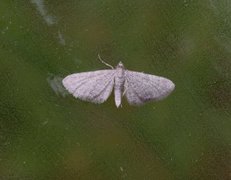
point(95, 86)
point(141, 87)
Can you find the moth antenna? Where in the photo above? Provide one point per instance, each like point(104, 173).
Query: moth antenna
point(105, 62)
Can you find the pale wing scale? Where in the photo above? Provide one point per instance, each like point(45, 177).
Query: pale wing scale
point(93, 86)
point(141, 88)
point(132, 96)
point(71, 82)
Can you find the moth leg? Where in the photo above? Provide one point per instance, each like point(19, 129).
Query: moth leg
point(125, 90)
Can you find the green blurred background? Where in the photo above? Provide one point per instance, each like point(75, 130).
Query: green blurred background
point(47, 134)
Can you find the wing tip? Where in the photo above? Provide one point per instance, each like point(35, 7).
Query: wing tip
point(171, 86)
point(65, 83)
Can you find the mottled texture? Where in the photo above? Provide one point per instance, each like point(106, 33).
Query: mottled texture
point(141, 88)
point(94, 86)
point(138, 87)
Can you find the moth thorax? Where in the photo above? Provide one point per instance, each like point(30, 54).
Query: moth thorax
point(120, 72)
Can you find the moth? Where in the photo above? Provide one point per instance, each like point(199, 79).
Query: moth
point(137, 87)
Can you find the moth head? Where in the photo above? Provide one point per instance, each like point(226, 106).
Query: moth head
point(120, 65)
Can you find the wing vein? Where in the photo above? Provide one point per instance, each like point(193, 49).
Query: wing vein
point(86, 81)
